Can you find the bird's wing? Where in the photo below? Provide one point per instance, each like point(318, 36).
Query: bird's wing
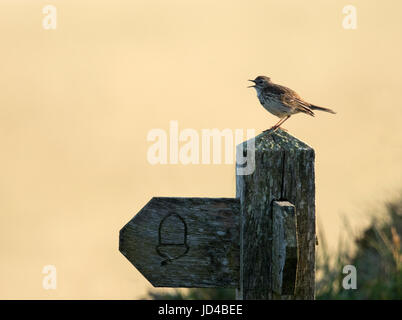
point(293, 100)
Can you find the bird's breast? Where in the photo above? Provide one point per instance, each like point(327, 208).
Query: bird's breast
point(273, 105)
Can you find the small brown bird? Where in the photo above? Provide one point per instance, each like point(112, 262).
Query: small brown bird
point(281, 101)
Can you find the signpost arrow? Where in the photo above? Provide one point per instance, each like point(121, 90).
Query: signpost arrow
point(185, 242)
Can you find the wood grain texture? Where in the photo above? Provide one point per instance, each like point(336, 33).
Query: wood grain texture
point(284, 250)
point(185, 242)
point(284, 171)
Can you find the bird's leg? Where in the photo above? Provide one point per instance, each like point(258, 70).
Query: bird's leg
point(280, 122)
point(275, 126)
point(283, 120)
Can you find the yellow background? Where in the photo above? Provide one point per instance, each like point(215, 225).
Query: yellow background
point(76, 104)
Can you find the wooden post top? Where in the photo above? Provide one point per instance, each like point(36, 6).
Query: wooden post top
point(276, 141)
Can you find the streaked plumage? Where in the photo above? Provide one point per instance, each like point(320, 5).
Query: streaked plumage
point(282, 101)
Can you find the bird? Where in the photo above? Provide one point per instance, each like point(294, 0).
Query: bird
point(282, 101)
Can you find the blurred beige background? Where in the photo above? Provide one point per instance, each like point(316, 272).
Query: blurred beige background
point(76, 104)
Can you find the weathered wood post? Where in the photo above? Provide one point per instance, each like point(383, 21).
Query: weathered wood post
point(277, 219)
point(262, 242)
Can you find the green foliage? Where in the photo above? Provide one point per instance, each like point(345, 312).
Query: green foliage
point(377, 258)
point(195, 294)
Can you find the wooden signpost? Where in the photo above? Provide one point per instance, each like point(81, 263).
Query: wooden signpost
point(262, 242)
point(185, 242)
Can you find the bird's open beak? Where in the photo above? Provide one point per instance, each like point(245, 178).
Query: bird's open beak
point(251, 86)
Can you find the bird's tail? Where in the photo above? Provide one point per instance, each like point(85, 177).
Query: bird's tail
point(313, 107)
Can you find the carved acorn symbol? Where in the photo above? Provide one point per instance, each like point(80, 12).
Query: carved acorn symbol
point(172, 238)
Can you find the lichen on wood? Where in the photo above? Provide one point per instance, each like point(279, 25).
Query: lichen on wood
point(284, 171)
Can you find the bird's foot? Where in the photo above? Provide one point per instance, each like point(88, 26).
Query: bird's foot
point(274, 128)
point(283, 129)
